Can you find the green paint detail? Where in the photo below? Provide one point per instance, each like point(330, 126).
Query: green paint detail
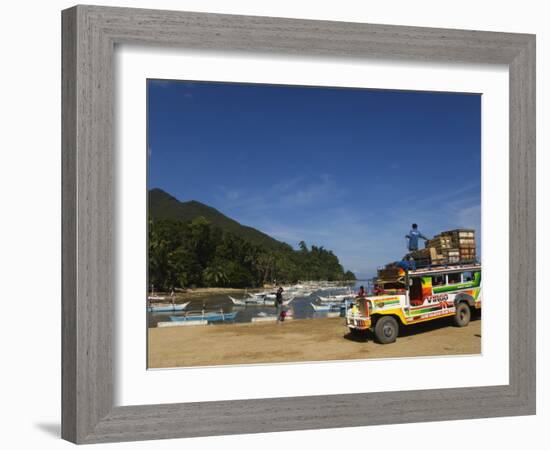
point(476, 282)
point(477, 278)
point(391, 302)
point(454, 287)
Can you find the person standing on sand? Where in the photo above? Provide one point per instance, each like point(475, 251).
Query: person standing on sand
point(279, 304)
point(413, 237)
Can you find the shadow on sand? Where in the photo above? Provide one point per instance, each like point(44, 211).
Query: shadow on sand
point(411, 330)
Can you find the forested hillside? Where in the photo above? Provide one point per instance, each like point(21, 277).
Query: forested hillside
point(191, 244)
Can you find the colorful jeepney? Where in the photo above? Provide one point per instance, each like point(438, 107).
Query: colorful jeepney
point(414, 296)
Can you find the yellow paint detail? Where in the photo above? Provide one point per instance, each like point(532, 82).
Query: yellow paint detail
point(352, 323)
point(399, 313)
point(394, 312)
point(427, 319)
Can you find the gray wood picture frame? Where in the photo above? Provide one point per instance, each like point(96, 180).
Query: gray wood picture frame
point(90, 34)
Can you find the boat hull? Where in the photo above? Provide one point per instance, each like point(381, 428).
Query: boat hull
point(168, 308)
point(210, 317)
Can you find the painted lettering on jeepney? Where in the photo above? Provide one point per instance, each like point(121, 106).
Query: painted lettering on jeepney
point(437, 298)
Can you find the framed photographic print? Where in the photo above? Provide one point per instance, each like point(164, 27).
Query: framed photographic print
point(297, 223)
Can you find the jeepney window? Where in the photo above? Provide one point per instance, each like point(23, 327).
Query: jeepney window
point(415, 291)
point(438, 280)
point(454, 278)
point(467, 276)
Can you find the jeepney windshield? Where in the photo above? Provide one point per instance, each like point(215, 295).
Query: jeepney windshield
point(390, 287)
point(360, 303)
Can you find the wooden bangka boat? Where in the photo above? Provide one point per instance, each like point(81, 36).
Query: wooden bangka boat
point(328, 307)
point(258, 301)
point(208, 316)
point(167, 308)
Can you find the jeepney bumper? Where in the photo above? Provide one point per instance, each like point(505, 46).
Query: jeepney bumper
point(358, 322)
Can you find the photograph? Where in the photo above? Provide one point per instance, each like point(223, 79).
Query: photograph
point(296, 224)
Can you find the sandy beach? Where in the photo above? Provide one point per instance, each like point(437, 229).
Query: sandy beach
point(300, 341)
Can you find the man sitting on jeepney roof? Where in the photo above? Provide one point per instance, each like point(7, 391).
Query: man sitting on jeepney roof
point(413, 237)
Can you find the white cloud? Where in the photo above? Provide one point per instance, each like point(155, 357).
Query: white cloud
point(395, 165)
point(365, 237)
point(323, 188)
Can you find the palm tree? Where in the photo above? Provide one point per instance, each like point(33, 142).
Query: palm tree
point(214, 275)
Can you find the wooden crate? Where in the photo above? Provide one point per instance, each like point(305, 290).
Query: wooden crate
point(466, 243)
point(451, 252)
point(439, 260)
point(461, 233)
point(467, 254)
point(422, 253)
point(439, 242)
point(462, 238)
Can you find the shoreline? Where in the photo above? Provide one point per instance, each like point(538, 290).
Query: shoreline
point(198, 294)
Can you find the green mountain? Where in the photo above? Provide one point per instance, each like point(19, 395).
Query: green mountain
point(164, 206)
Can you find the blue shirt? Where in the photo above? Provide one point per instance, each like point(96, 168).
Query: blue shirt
point(413, 239)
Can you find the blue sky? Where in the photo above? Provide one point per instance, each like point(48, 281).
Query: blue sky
point(348, 169)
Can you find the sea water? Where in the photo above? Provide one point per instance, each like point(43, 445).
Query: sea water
point(299, 308)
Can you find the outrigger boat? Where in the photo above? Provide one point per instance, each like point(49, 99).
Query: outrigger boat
point(257, 301)
point(263, 295)
point(288, 301)
point(335, 298)
point(152, 297)
point(208, 316)
point(245, 301)
point(328, 307)
point(167, 308)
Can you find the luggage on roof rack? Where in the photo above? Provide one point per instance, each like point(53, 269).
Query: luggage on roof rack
point(453, 246)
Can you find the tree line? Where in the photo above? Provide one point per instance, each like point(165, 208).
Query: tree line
point(195, 253)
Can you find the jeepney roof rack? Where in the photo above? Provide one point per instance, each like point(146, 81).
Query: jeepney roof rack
point(448, 266)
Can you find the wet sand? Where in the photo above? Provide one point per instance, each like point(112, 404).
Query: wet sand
point(300, 341)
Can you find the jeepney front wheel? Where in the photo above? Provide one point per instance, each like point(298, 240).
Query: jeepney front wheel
point(386, 330)
point(462, 315)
